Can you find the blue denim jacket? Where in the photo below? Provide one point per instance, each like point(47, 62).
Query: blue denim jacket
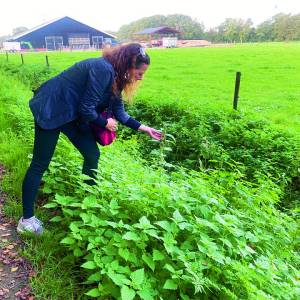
point(81, 93)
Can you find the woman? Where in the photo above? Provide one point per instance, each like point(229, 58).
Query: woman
point(69, 103)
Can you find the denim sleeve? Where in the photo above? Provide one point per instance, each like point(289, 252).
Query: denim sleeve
point(122, 116)
point(98, 81)
point(119, 111)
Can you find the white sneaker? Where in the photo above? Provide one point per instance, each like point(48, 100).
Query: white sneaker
point(32, 224)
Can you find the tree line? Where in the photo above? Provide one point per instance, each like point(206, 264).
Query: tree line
point(281, 27)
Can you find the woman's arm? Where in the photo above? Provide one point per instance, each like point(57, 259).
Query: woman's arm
point(122, 116)
point(155, 134)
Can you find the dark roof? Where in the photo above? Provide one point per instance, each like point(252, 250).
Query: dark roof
point(63, 19)
point(158, 30)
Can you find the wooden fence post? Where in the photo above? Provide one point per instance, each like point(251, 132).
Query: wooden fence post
point(236, 90)
point(22, 58)
point(47, 61)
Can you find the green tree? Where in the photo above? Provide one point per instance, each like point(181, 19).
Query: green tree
point(265, 31)
point(19, 30)
point(3, 39)
point(189, 28)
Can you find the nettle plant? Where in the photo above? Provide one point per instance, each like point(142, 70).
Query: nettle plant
point(143, 234)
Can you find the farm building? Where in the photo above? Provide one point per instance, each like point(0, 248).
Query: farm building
point(160, 36)
point(63, 33)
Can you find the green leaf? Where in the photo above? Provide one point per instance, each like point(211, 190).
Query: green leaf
point(144, 221)
point(118, 279)
point(170, 285)
point(127, 293)
point(74, 227)
point(177, 216)
point(138, 276)
point(56, 219)
point(157, 255)
point(165, 225)
point(131, 236)
point(89, 265)
point(68, 241)
point(78, 252)
point(124, 252)
point(90, 246)
point(90, 202)
point(93, 293)
point(149, 261)
point(95, 277)
point(145, 294)
point(50, 205)
point(169, 268)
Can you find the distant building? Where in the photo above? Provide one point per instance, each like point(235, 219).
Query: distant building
point(63, 33)
point(159, 36)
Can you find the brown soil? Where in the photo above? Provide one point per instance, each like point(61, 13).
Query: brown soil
point(15, 271)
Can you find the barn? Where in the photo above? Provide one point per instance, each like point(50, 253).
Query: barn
point(63, 33)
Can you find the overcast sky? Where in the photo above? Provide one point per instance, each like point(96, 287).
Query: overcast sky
point(111, 14)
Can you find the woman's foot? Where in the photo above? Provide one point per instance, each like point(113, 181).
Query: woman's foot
point(32, 224)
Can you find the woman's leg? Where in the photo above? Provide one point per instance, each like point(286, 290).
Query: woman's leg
point(44, 145)
point(85, 142)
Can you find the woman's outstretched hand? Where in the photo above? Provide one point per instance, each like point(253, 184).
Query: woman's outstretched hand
point(112, 124)
point(155, 134)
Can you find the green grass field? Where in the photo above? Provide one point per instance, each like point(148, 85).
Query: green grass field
point(203, 78)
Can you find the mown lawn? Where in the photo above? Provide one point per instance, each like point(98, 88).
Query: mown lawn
point(203, 78)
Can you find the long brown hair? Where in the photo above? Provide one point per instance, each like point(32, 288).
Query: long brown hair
point(123, 58)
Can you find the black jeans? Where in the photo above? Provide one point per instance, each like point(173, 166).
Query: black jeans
point(44, 145)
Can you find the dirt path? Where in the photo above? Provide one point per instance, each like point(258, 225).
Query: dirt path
point(14, 270)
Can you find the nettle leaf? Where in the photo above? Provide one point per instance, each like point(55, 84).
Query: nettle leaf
point(251, 237)
point(145, 294)
point(131, 236)
point(170, 285)
point(93, 293)
point(47, 190)
point(90, 202)
point(144, 223)
point(169, 268)
point(89, 265)
point(149, 261)
point(63, 200)
point(177, 217)
point(74, 227)
point(77, 252)
point(184, 297)
point(68, 211)
point(127, 293)
point(165, 225)
point(90, 246)
point(68, 241)
point(221, 220)
point(85, 218)
point(226, 242)
point(138, 276)
point(153, 233)
point(206, 223)
point(157, 255)
point(50, 205)
point(95, 277)
point(112, 224)
point(56, 219)
point(118, 279)
point(124, 253)
point(114, 204)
